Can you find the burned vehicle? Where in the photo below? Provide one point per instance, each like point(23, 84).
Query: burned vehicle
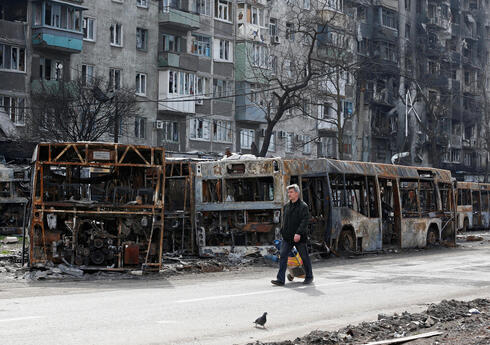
point(14, 192)
point(97, 205)
point(238, 205)
point(354, 206)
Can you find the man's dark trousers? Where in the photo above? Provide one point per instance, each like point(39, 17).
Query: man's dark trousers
point(283, 262)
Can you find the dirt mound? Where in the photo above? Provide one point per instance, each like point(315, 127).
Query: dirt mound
point(461, 323)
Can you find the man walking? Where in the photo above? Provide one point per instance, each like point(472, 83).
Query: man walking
point(294, 234)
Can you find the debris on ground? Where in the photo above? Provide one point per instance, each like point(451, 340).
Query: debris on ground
point(473, 238)
point(460, 322)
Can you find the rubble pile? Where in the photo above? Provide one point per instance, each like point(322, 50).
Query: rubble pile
point(448, 316)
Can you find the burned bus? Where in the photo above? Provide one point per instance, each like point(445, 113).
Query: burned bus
point(98, 205)
point(354, 206)
point(14, 187)
point(472, 205)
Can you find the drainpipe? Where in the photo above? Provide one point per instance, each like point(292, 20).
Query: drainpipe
point(398, 156)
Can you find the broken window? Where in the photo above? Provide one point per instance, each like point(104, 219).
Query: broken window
point(484, 201)
point(427, 197)
point(464, 197)
point(445, 191)
point(211, 191)
point(356, 192)
point(476, 200)
point(249, 189)
point(408, 193)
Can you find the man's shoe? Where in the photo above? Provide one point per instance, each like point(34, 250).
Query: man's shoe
point(308, 281)
point(277, 282)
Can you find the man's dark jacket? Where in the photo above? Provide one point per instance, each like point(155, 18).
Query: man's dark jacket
point(295, 221)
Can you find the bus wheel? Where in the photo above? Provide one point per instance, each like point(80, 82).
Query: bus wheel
point(466, 225)
point(432, 236)
point(347, 242)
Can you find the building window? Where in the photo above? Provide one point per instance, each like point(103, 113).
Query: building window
point(170, 131)
point(260, 55)
point(222, 10)
point(12, 58)
point(306, 144)
point(348, 108)
point(289, 142)
point(141, 39)
point(335, 5)
point(116, 35)
point(290, 31)
point(201, 45)
point(142, 3)
point(221, 88)
point(141, 84)
point(203, 7)
point(222, 131)
point(246, 138)
point(114, 79)
point(181, 83)
point(199, 129)
point(273, 27)
point(306, 4)
point(388, 51)
point(203, 86)
point(388, 18)
point(89, 29)
point(139, 127)
point(223, 50)
point(14, 107)
point(87, 74)
point(272, 142)
point(172, 43)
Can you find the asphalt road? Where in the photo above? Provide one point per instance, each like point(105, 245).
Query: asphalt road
point(219, 308)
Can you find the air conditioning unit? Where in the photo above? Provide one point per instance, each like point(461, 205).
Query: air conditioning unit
point(276, 39)
point(199, 101)
point(158, 124)
point(282, 134)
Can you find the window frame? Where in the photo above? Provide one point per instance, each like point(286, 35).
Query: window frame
point(139, 76)
point(113, 35)
point(85, 80)
point(112, 78)
point(226, 126)
point(139, 3)
point(246, 133)
point(85, 25)
point(140, 131)
point(202, 124)
point(223, 10)
point(144, 38)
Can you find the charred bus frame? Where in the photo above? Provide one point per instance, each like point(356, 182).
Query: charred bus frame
point(98, 205)
point(355, 206)
point(472, 205)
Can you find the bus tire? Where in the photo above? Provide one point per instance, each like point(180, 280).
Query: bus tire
point(466, 225)
point(347, 241)
point(432, 236)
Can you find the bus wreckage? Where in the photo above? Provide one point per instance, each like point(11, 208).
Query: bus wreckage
point(114, 206)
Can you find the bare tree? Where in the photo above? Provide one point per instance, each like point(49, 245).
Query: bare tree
point(288, 78)
point(79, 110)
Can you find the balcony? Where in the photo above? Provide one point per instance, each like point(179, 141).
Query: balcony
point(438, 22)
point(57, 26)
point(179, 19)
point(178, 60)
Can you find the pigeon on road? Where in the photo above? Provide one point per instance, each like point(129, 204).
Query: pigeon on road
point(261, 320)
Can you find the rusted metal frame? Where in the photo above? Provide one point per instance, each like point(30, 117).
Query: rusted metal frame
point(192, 207)
point(63, 152)
point(98, 206)
point(123, 156)
point(162, 226)
point(78, 154)
point(184, 209)
point(139, 154)
point(97, 212)
point(101, 164)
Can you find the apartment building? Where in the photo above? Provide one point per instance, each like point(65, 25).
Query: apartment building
point(196, 75)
